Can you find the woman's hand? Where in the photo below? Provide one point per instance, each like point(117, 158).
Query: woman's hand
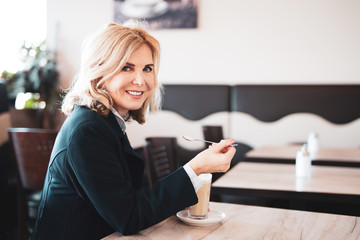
point(216, 158)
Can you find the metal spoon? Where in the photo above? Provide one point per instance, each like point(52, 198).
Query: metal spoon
point(201, 140)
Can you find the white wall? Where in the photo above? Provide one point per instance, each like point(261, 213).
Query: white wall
point(237, 41)
point(68, 23)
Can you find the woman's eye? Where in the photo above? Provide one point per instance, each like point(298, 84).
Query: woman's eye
point(126, 69)
point(147, 69)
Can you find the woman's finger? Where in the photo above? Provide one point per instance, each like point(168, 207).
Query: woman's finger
point(223, 144)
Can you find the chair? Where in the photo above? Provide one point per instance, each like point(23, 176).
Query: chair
point(160, 157)
point(213, 133)
point(32, 149)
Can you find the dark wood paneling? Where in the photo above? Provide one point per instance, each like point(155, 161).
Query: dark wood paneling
point(336, 103)
point(196, 101)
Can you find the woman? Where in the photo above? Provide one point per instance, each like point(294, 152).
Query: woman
point(93, 184)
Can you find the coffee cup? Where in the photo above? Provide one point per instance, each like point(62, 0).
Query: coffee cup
point(200, 210)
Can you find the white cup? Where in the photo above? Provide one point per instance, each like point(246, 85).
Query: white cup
point(200, 210)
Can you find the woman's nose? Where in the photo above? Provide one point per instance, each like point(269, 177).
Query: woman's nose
point(138, 80)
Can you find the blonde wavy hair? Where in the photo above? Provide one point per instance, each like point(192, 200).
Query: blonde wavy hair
point(102, 58)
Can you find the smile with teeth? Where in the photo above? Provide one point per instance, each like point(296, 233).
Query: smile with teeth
point(135, 93)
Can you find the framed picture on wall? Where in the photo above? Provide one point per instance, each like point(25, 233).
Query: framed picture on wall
point(159, 14)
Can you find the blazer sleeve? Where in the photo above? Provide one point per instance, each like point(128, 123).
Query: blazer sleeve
point(99, 173)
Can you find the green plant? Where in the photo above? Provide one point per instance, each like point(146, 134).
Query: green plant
point(39, 74)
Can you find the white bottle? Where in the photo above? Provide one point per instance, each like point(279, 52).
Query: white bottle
point(313, 144)
point(303, 163)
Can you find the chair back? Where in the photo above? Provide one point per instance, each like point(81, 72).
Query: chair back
point(4, 101)
point(32, 149)
point(5, 121)
point(160, 157)
point(213, 133)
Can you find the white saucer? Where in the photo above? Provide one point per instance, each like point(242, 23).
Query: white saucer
point(214, 217)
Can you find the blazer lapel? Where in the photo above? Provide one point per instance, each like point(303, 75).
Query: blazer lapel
point(134, 163)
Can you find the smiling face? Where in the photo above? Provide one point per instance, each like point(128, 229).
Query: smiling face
point(134, 83)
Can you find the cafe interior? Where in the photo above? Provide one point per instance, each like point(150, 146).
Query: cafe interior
point(282, 78)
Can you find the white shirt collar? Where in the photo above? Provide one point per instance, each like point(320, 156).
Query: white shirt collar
point(119, 119)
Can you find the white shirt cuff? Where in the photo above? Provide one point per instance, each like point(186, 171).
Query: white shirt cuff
point(196, 182)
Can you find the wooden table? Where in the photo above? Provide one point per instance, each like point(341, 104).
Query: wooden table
point(336, 186)
point(347, 157)
point(251, 222)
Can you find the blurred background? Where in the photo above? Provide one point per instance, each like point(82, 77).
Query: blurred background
point(235, 42)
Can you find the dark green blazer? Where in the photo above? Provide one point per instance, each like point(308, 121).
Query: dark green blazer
point(93, 184)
